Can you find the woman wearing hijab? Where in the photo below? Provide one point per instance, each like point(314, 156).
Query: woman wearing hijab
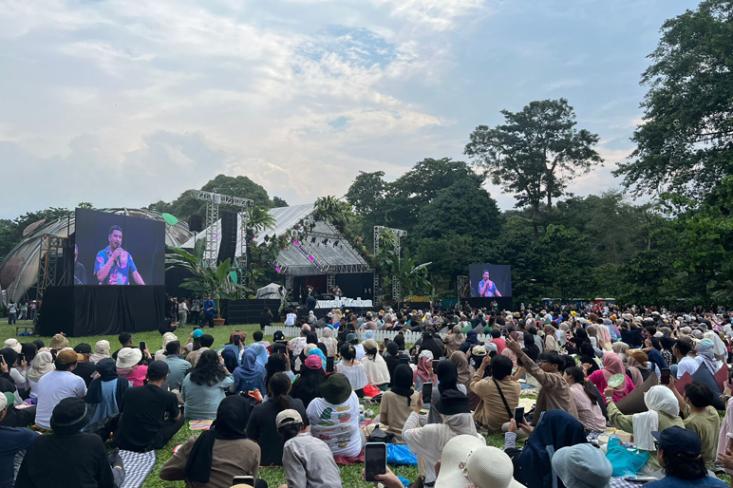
point(532, 465)
point(260, 353)
point(424, 371)
point(706, 354)
point(392, 358)
point(447, 376)
point(375, 366)
point(530, 346)
point(461, 363)
point(471, 340)
point(331, 344)
point(219, 454)
point(427, 440)
point(454, 340)
point(261, 427)
point(663, 411)
point(41, 364)
point(612, 365)
point(307, 384)
point(250, 374)
point(397, 403)
point(104, 397)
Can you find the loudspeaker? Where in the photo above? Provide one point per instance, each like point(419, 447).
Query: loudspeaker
point(195, 223)
point(228, 243)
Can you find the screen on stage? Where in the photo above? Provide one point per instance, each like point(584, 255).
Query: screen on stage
point(113, 249)
point(490, 280)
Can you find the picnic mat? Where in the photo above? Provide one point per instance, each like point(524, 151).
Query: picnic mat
point(137, 467)
point(622, 483)
point(200, 424)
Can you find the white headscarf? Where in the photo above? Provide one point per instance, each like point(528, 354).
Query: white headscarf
point(659, 398)
point(718, 345)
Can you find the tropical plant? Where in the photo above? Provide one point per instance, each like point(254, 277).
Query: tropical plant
point(204, 280)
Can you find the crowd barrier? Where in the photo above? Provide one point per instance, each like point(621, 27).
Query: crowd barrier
point(377, 335)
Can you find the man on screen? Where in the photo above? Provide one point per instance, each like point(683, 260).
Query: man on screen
point(487, 288)
point(114, 265)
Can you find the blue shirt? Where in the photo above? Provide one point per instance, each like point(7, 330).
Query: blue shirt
point(672, 482)
point(12, 440)
point(490, 292)
point(209, 309)
point(119, 273)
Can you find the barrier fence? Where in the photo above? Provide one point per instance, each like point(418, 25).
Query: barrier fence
point(377, 335)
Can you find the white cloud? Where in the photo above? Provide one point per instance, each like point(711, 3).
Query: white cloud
point(439, 15)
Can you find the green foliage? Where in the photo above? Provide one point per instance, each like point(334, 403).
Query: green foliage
point(536, 152)
point(685, 143)
point(203, 280)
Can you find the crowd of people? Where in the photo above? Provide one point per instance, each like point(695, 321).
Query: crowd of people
point(653, 379)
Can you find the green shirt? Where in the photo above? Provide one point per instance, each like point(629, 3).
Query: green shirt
point(707, 426)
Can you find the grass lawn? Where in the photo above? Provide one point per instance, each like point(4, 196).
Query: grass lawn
point(351, 475)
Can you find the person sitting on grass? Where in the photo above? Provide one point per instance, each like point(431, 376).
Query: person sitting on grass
point(498, 394)
point(205, 387)
point(700, 417)
point(250, 374)
point(12, 441)
point(68, 457)
point(396, 403)
point(261, 427)
point(555, 392)
point(219, 454)
point(679, 451)
point(334, 417)
point(352, 369)
point(307, 461)
point(150, 414)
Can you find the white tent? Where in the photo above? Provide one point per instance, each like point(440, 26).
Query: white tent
point(271, 291)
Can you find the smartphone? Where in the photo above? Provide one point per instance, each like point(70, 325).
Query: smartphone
point(375, 460)
point(143, 346)
point(427, 392)
point(435, 365)
point(244, 480)
point(519, 415)
point(664, 376)
point(2, 358)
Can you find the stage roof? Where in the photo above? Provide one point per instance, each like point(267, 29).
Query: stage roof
point(332, 253)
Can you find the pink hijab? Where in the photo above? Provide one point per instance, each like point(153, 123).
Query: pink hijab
point(424, 369)
point(612, 364)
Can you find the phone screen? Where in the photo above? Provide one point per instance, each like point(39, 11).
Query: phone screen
point(375, 460)
point(143, 346)
point(664, 376)
point(427, 392)
point(519, 415)
point(435, 365)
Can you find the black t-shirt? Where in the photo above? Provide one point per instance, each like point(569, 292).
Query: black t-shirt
point(144, 411)
point(66, 461)
point(261, 429)
point(85, 371)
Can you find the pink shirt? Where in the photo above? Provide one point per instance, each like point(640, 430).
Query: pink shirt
point(137, 375)
point(598, 379)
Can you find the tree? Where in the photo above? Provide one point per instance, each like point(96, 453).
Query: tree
point(366, 193)
point(278, 202)
point(536, 152)
point(461, 208)
point(685, 143)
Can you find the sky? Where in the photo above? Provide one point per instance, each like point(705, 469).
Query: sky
point(122, 103)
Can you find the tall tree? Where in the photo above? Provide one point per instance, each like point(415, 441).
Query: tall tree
point(536, 152)
point(685, 142)
point(367, 192)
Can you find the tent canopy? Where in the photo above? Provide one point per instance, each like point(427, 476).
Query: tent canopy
point(271, 291)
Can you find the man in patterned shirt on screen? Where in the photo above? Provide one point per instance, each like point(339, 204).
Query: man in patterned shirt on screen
point(114, 265)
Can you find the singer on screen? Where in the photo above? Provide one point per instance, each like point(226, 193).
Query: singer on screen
point(487, 288)
point(114, 265)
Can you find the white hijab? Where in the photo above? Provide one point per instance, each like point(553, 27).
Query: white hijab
point(659, 398)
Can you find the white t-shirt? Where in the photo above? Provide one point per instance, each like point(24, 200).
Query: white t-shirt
point(290, 319)
point(360, 352)
point(53, 387)
point(337, 425)
point(688, 365)
point(355, 373)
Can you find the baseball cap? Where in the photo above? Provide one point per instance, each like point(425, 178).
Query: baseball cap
point(197, 333)
point(288, 416)
point(676, 440)
point(582, 466)
point(313, 362)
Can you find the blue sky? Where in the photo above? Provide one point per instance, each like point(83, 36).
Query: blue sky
point(124, 103)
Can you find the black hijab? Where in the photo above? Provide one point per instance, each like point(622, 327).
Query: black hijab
point(447, 376)
point(402, 381)
point(107, 372)
point(231, 423)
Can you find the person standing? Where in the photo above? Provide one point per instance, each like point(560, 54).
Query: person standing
point(12, 313)
point(182, 313)
point(209, 311)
